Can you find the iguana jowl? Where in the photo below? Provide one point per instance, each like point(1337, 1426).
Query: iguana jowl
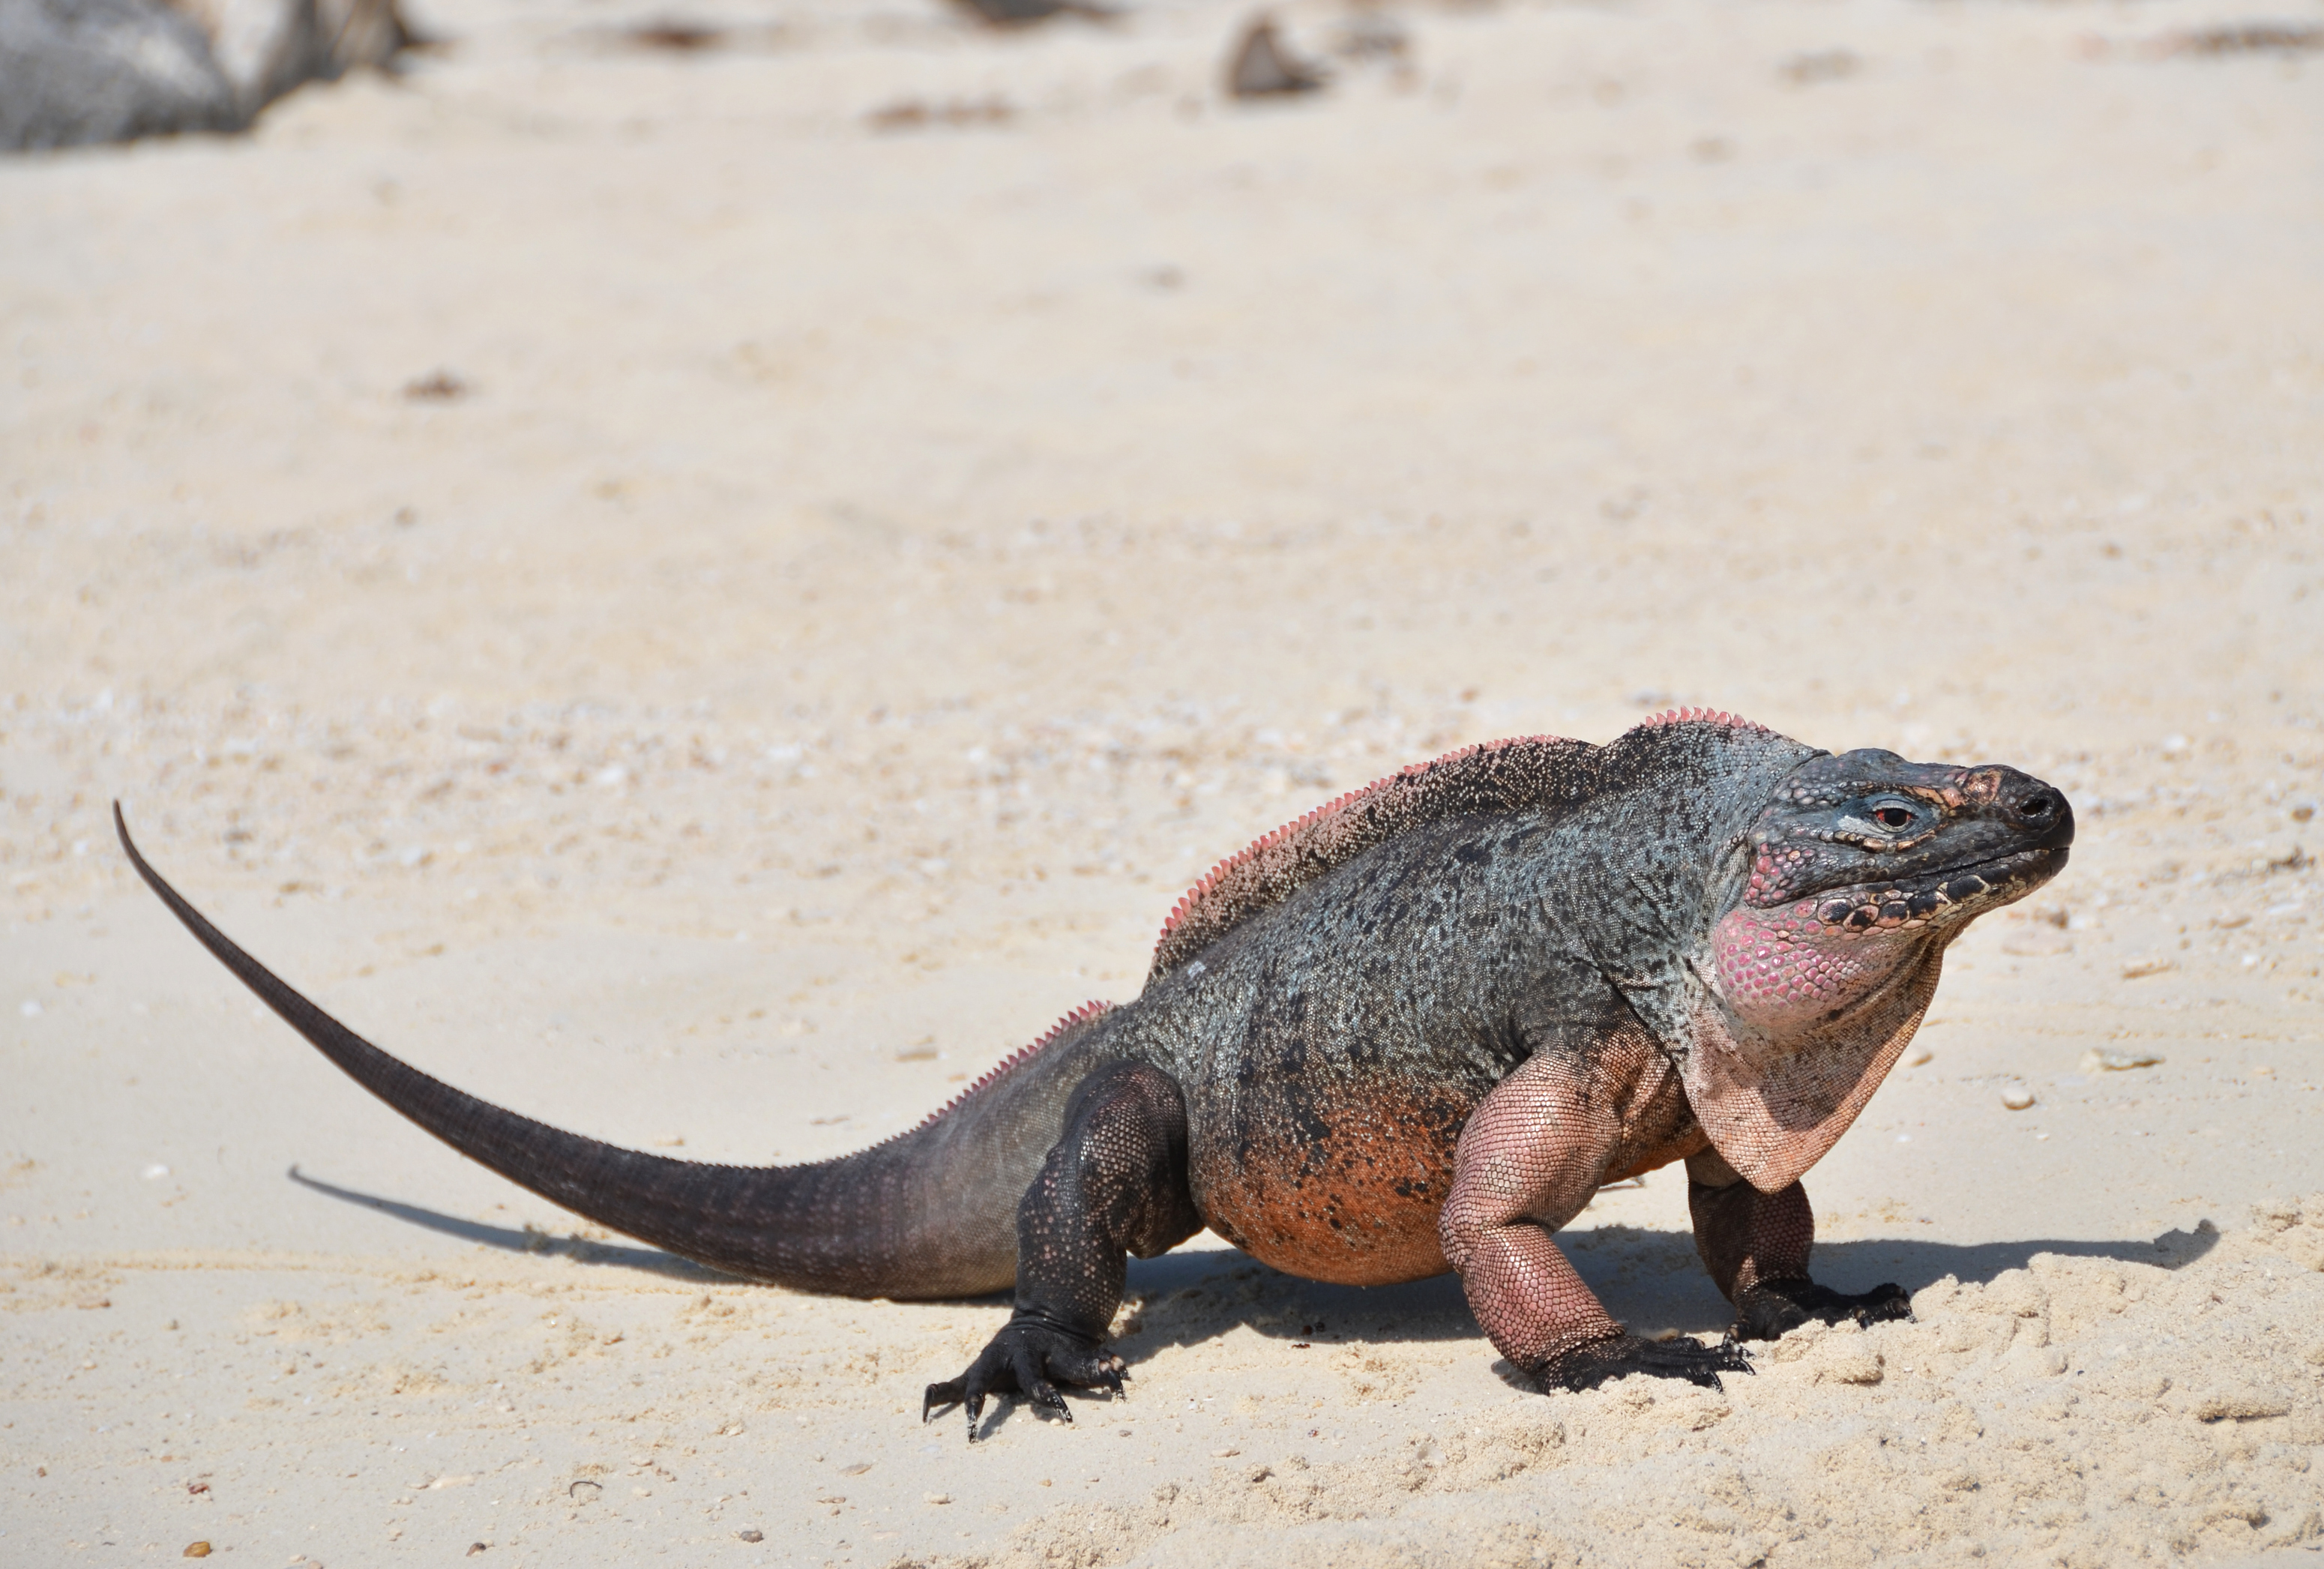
point(1415, 1029)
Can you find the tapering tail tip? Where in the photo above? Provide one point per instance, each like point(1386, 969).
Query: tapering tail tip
point(185, 912)
point(129, 845)
point(891, 1221)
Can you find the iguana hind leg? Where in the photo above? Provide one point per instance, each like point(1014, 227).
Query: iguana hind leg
point(1756, 1246)
point(1115, 1185)
point(1530, 1158)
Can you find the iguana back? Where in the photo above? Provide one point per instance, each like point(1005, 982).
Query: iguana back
point(1414, 1029)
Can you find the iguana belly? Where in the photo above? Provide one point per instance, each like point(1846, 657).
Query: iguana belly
point(1342, 1179)
point(1340, 1182)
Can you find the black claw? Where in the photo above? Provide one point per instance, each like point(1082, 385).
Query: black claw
point(1030, 1358)
point(1587, 1367)
point(1774, 1308)
point(951, 1392)
point(1885, 1302)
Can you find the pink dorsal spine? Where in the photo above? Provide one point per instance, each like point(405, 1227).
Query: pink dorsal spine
point(1502, 774)
point(1699, 716)
point(1019, 1058)
point(1493, 776)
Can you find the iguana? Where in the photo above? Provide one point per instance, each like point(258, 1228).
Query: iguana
point(1417, 1030)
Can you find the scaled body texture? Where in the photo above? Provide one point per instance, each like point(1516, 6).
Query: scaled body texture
point(1415, 1030)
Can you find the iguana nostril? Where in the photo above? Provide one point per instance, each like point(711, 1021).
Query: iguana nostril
point(1365, 907)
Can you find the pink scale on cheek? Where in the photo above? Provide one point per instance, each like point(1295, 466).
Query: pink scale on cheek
point(1772, 967)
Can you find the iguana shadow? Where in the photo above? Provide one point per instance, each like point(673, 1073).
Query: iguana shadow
point(580, 1250)
point(1650, 1279)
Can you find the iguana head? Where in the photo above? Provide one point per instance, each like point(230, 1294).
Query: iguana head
point(1828, 933)
point(1862, 865)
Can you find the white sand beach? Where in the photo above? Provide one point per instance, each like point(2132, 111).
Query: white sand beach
point(706, 596)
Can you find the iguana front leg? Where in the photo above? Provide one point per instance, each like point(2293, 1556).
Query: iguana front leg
point(1529, 1159)
point(1115, 1185)
point(1756, 1246)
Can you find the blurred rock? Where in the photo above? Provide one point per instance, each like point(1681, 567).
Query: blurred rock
point(1370, 34)
point(1018, 13)
point(1261, 66)
point(266, 48)
point(2246, 38)
point(1826, 65)
point(363, 31)
point(75, 71)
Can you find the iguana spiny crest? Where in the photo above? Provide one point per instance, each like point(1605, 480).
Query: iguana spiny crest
point(1414, 1030)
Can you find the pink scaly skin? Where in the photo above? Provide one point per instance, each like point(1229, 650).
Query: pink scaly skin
point(1532, 1157)
point(1817, 988)
point(1782, 966)
point(1811, 983)
point(1414, 1030)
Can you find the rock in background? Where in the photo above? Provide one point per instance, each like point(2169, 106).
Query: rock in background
point(76, 71)
point(105, 70)
point(266, 48)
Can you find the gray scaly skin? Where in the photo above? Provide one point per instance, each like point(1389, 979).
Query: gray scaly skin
point(1416, 1030)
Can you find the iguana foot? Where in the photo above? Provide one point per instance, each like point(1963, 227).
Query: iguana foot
point(1771, 1308)
point(1588, 1366)
point(1031, 1359)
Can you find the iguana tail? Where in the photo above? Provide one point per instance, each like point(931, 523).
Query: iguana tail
point(927, 1214)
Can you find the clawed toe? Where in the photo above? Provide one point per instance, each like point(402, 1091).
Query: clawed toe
point(1589, 1366)
point(1884, 1304)
point(1029, 1358)
point(1769, 1310)
point(940, 1396)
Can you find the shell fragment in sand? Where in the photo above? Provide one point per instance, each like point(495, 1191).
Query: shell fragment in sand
point(2016, 1097)
point(2114, 1062)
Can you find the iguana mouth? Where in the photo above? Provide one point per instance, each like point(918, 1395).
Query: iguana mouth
point(1305, 1073)
point(1968, 889)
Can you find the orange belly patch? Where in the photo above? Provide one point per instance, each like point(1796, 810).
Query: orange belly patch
point(1346, 1188)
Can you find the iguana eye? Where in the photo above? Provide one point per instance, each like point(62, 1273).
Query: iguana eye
point(1881, 821)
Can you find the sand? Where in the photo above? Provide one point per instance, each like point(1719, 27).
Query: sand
point(707, 595)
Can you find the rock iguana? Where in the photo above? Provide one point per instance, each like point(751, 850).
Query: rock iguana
point(1415, 1030)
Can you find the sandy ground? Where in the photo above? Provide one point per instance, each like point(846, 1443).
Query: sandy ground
point(707, 597)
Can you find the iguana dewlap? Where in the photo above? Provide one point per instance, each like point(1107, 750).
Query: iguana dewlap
point(1417, 1030)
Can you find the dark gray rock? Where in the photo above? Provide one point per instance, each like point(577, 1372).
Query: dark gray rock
point(76, 71)
point(268, 48)
point(1263, 66)
point(73, 72)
